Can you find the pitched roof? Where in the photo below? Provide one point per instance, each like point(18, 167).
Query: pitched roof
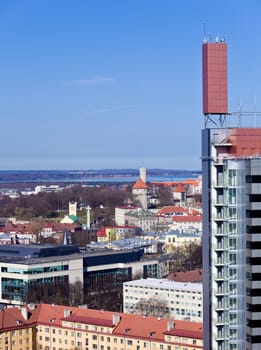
point(187, 218)
point(58, 226)
point(179, 189)
point(136, 326)
point(143, 327)
point(173, 209)
point(196, 334)
point(90, 320)
point(186, 276)
point(101, 233)
point(140, 184)
point(191, 182)
point(12, 318)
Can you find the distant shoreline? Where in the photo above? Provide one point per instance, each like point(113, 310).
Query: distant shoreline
point(103, 176)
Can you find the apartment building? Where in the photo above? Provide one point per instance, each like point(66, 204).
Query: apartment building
point(53, 327)
point(164, 298)
point(231, 269)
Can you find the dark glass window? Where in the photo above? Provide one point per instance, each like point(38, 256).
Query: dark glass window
point(255, 179)
point(255, 198)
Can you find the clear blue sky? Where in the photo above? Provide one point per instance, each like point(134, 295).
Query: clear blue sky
point(116, 83)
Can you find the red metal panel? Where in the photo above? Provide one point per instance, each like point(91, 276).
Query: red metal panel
point(245, 142)
point(215, 99)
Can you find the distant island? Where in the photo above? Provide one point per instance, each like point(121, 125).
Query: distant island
point(8, 177)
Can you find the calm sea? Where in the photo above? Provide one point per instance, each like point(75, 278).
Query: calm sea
point(93, 176)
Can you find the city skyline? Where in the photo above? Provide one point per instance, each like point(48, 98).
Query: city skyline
point(116, 84)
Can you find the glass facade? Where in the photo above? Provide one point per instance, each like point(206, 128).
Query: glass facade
point(35, 270)
point(15, 289)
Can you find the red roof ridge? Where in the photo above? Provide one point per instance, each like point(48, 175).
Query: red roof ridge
point(140, 184)
point(179, 188)
point(136, 326)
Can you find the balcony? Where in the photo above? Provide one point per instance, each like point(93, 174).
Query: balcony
point(220, 246)
point(220, 291)
point(220, 217)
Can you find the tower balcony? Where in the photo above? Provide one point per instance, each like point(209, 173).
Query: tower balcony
point(220, 217)
point(220, 291)
point(220, 246)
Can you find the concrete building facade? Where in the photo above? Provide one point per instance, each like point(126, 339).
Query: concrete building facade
point(182, 301)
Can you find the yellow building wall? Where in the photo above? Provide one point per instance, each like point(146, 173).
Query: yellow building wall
point(110, 234)
point(19, 339)
point(81, 336)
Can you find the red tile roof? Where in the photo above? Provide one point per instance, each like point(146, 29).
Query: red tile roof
point(140, 184)
point(186, 333)
point(187, 218)
point(89, 320)
point(191, 182)
point(12, 318)
point(143, 327)
point(179, 189)
point(173, 209)
point(101, 233)
point(136, 326)
point(187, 276)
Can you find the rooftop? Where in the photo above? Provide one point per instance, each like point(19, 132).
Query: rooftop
point(21, 254)
point(186, 276)
point(165, 284)
point(140, 184)
point(136, 326)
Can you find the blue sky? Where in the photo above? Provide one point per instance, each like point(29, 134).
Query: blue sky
point(116, 83)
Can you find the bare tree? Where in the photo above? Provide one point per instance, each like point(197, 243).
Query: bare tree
point(76, 293)
point(152, 307)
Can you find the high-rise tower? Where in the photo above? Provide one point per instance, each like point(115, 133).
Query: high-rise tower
point(231, 175)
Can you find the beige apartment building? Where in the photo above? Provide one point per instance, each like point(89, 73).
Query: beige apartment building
point(53, 327)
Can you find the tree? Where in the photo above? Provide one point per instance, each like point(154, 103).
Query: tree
point(165, 196)
point(186, 258)
point(76, 293)
point(152, 307)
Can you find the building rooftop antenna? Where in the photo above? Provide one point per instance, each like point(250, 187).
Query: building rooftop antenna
point(205, 40)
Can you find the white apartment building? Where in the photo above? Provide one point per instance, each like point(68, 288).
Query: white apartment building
point(120, 213)
point(163, 298)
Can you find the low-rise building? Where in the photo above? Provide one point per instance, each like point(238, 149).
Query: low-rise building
point(120, 213)
point(163, 298)
point(179, 239)
point(185, 222)
point(112, 233)
point(45, 326)
point(146, 220)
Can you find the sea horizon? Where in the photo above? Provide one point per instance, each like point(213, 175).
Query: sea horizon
point(94, 176)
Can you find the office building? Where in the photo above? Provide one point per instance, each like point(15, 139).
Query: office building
point(24, 270)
